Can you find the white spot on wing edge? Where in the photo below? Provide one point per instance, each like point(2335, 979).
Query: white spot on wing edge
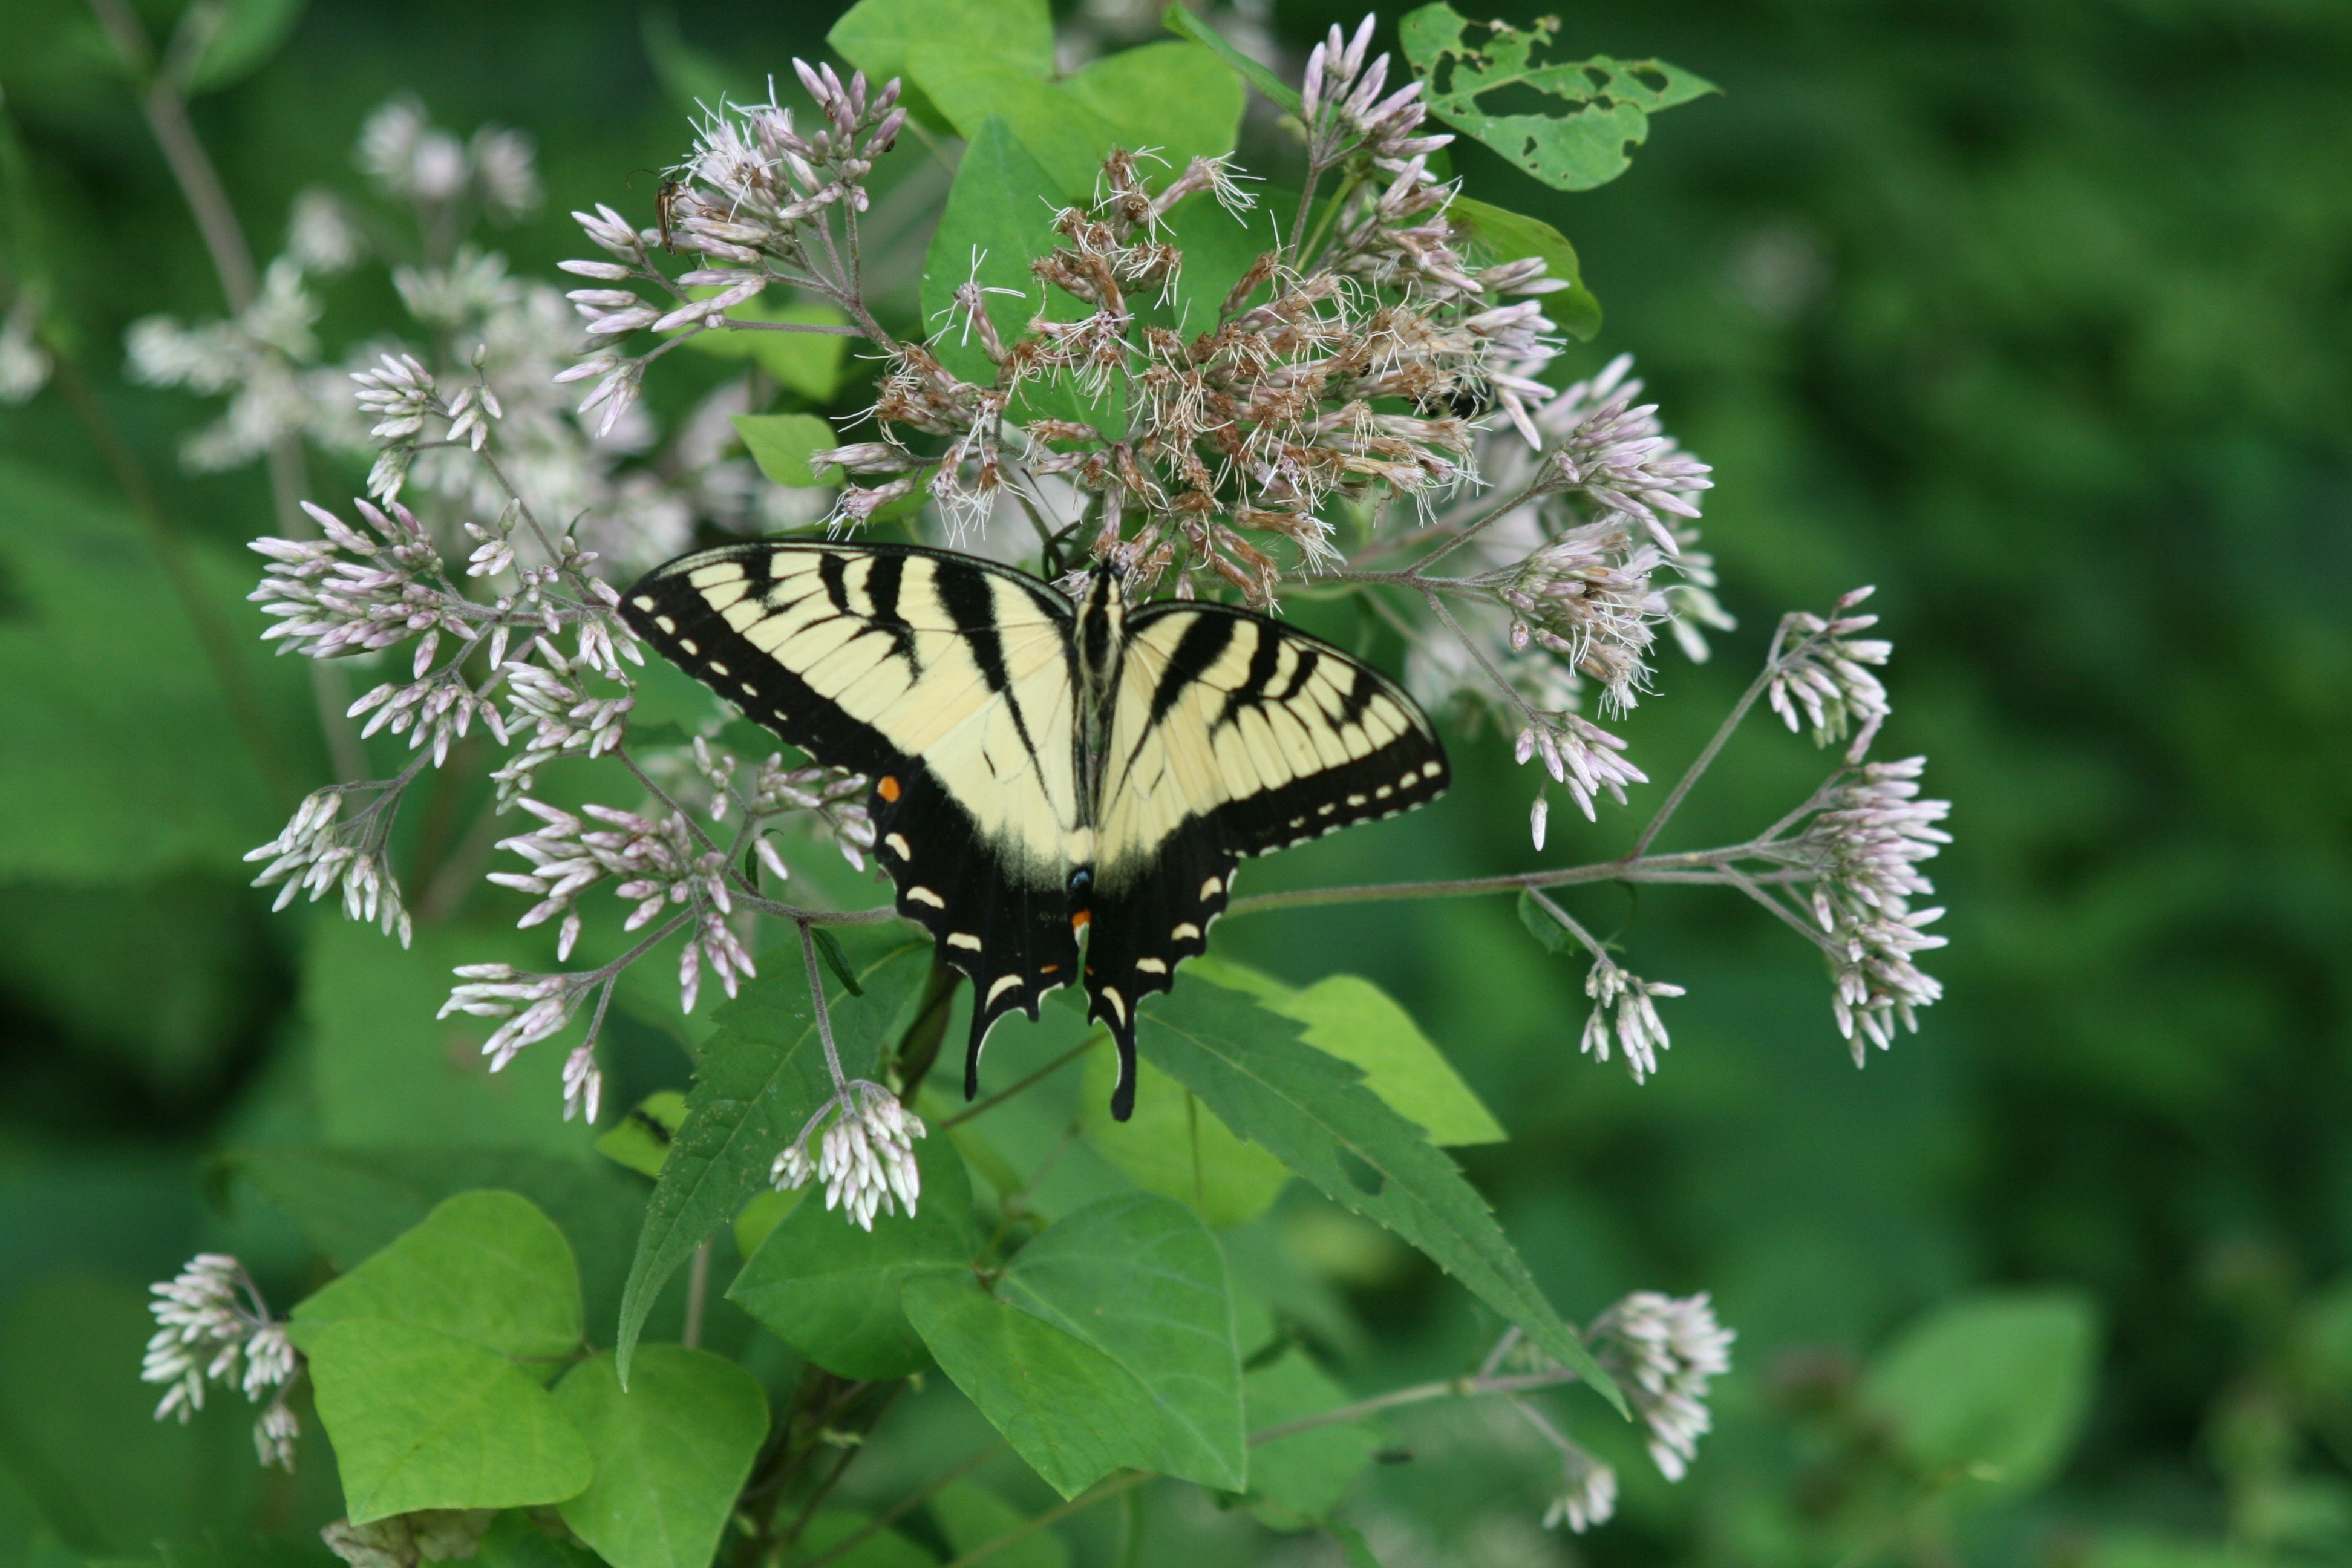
point(963, 939)
point(1005, 983)
point(662, 621)
point(1210, 889)
point(1150, 966)
point(642, 601)
point(897, 845)
point(1118, 1002)
point(925, 896)
point(1185, 932)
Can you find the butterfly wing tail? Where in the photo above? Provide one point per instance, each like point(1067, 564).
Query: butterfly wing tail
point(1143, 930)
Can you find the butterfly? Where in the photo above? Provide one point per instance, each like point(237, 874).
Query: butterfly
point(1043, 771)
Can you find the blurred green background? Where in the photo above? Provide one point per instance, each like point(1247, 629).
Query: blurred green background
point(2036, 313)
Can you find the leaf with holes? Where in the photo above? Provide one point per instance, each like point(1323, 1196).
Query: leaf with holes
point(1604, 104)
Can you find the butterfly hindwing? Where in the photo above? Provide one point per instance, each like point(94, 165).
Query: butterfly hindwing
point(946, 681)
point(1231, 735)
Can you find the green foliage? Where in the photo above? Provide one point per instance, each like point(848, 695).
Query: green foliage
point(642, 1139)
point(781, 445)
point(247, 34)
point(1497, 235)
point(831, 1291)
point(808, 364)
point(1348, 1016)
point(1993, 1388)
point(1606, 104)
point(971, 1516)
point(1298, 1478)
point(986, 232)
point(1109, 1342)
point(101, 671)
point(1179, 99)
point(878, 36)
point(1175, 1147)
point(484, 1266)
point(884, 1548)
point(1313, 1113)
point(760, 1078)
point(671, 1453)
point(1180, 20)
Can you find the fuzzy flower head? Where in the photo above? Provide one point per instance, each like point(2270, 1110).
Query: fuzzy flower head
point(215, 1328)
point(866, 1155)
point(1622, 1009)
point(1669, 1348)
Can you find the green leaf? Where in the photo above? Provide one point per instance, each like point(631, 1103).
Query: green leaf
point(1605, 104)
point(1139, 1278)
point(1068, 140)
point(781, 445)
point(641, 1140)
point(1110, 1342)
point(831, 1291)
point(1993, 1386)
point(671, 1453)
point(420, 1419)
point(250, 31)
point(1505, 235)
point(514, 1541)
point(1555, 938)
point(1180, 20)
point(352, 1203)
point(883, 1549)
point(809, 364)
point(1178, 99)
point(876, 35)
point(388, 1073)
point(485, 1268)
point(1071, 1412)
point(971, 1516)
point(760, 1216)
point(1300, 1476)
point(1349, 1017)
point(999, 213)
point(1355, 1552)
point(762, 1076)
point(125, 761)
point(1316, 1115)
point(1176, 1147)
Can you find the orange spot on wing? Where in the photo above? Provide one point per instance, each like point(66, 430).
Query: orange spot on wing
point(1079, 922)
point(1049, 969)
point(888, 788)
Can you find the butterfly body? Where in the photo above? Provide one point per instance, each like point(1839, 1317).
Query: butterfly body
point(1045, 773)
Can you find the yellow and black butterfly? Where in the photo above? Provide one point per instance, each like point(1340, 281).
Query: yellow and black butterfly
point(1042, 769)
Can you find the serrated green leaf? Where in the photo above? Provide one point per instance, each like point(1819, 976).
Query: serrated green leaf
point(420, 1419)
point(781, 445)
point(671, 1453)
point(1314, 1112)
point(641, 1139)
point(1180, 20)
point(1179, 99)
point(1298, 1478)
point(485, 1268)
point(831, 1291)
point(352, 1203)
point(810, 364)
point(1993, 1386)
point(1349, 1017)
point(1176, 1147)
point(1605, 104)
point(762, 1076)
point(971, 1516)
point(1505, 235)
point(1139, 1278)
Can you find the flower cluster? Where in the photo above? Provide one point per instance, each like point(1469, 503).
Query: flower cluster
point(317, 851)
point(214, 1327)
point(866, 1155)
point(1864, 848)
point(25, 364)
point(1621, 1007)
point(1818, 666)
point(1668, 1347)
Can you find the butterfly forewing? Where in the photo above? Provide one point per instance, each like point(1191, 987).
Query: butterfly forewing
point(948, 682)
